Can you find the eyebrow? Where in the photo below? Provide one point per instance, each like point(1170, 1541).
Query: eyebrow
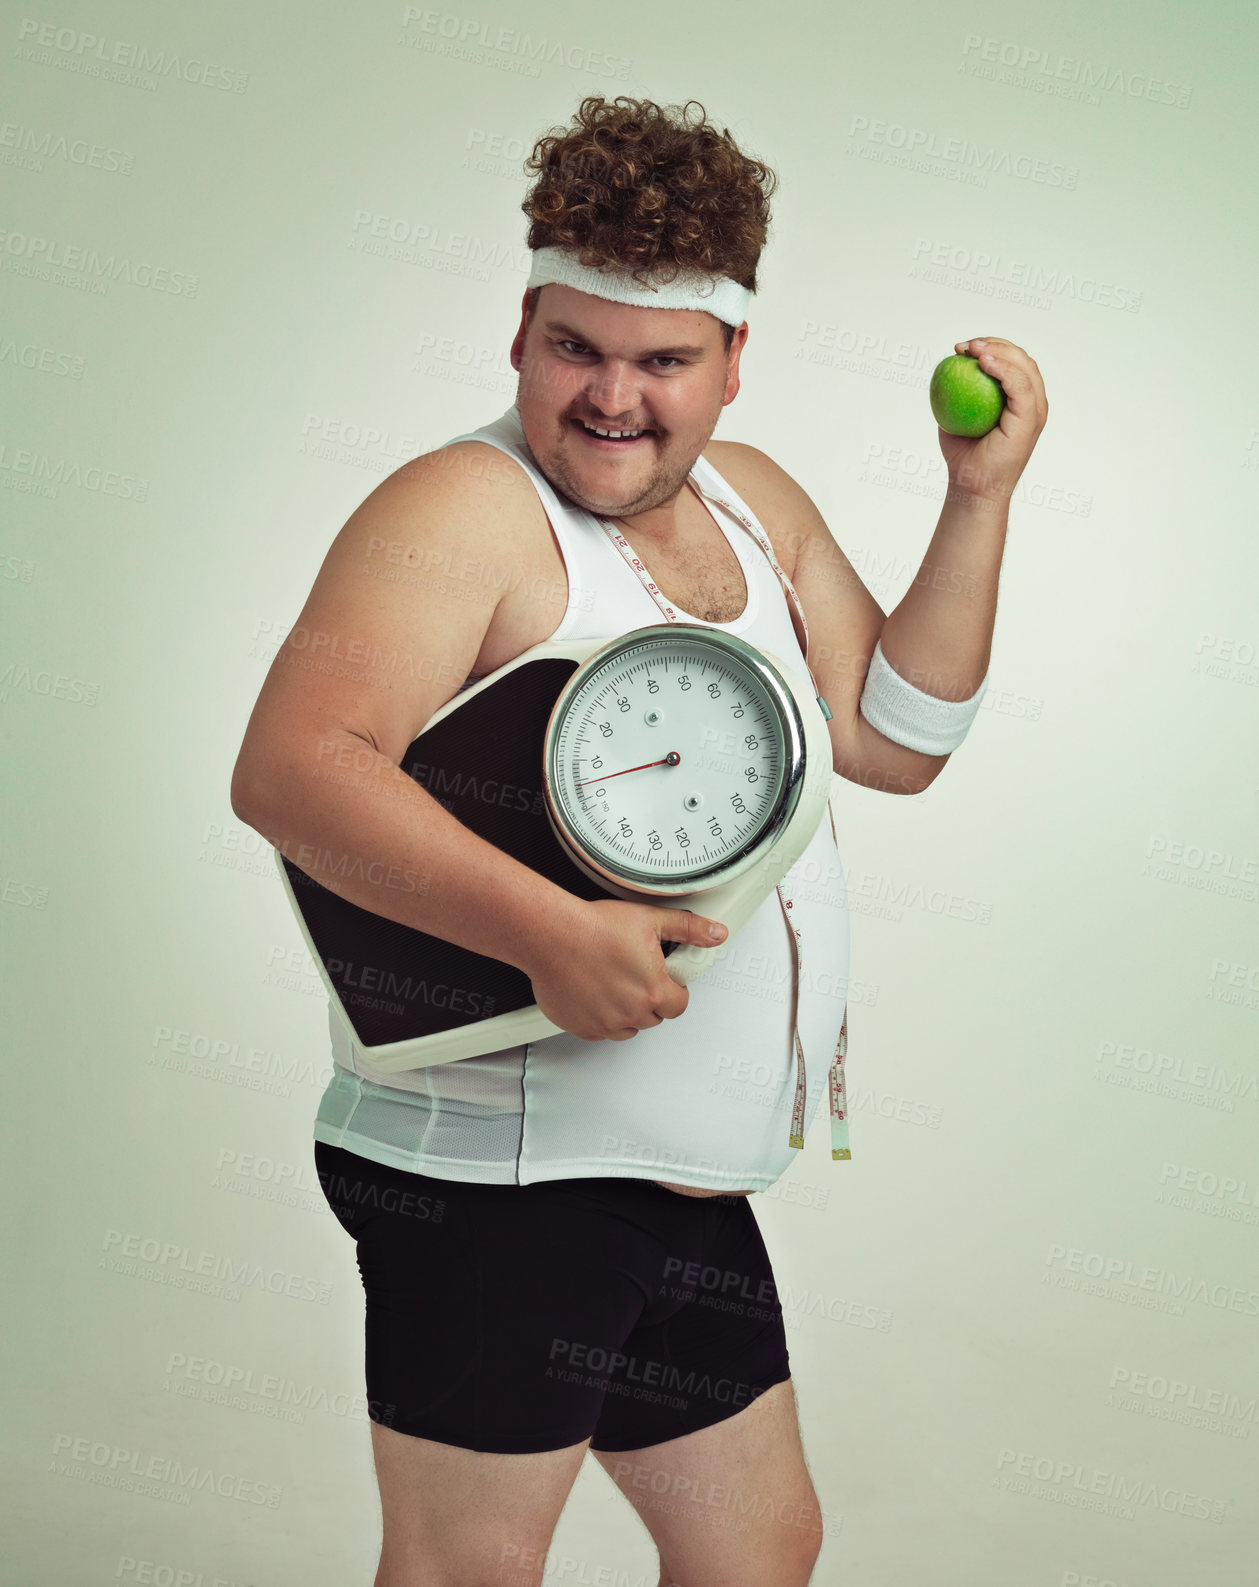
point(655, 352)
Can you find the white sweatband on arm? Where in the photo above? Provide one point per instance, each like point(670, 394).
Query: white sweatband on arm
point(907, 716)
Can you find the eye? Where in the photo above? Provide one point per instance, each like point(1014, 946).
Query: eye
point(667, 360)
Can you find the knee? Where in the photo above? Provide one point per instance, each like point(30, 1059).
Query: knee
point(504, 1565)
point(518, 1565)
point(522, 1573)
point(811, 1549)
point(799, 1553)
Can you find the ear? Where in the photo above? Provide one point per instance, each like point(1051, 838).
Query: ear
point(518, 343)
point(732, 378)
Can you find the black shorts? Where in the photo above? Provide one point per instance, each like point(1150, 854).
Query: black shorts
point(521, 1318)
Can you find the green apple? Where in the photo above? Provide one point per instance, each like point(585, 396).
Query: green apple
point(964, 399)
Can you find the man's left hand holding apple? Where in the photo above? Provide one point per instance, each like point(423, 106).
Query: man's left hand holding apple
point(989, 467)
point(940, 635)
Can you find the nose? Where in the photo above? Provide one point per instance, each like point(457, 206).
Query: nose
point(613, 389)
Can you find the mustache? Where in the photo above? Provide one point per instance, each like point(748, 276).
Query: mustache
point(609, 424)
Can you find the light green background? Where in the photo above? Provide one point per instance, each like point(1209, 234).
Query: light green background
point(1120, 720)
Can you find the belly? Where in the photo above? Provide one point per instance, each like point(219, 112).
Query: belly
point(710, 583)
point(694, 1190)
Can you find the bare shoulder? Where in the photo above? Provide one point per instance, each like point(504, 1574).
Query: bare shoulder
point(510, 545)
point(476, 469)
point(407, 596)
point(488, 503)
point(738, 461)
point(782, 506)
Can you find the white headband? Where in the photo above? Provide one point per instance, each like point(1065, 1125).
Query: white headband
point(690, 289)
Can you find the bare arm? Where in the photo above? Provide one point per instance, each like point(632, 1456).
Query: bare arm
point(319, 773)
point(844, 621)
point(939, 637)
point(346, 815)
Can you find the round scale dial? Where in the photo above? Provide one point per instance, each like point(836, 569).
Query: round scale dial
point(672, 757)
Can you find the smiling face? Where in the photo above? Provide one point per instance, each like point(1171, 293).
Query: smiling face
point(587, 361)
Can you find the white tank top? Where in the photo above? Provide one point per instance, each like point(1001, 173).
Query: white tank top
point(706, 1099)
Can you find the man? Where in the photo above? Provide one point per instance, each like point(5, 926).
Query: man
point(532, 1227)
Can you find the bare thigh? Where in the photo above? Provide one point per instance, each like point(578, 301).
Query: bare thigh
point(731, 1505)
point(467, 1518)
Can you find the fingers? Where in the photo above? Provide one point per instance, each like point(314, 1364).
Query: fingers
point(978, 343)
point(1017, 371)
point(997, 347)
point(988, 351)
point(672, 1001)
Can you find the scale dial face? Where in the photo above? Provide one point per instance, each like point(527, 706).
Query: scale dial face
point(672, 757)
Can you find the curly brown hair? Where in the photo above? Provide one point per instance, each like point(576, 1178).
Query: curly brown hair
point(638, 186)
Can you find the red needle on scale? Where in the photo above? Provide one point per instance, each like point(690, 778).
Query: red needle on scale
point(671, 759)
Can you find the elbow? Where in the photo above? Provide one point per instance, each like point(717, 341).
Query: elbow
point(889, 768)
point(890, 779)
point(242, 797)
point(921, 778)
point(882, 779)
point(862, 755)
